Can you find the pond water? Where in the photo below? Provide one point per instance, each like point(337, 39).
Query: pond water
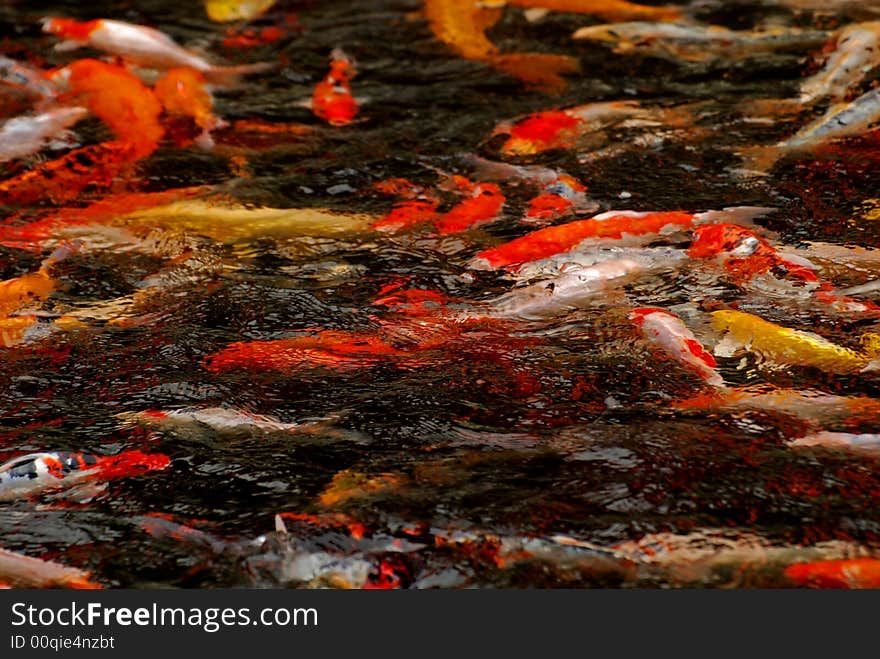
point(546, 452)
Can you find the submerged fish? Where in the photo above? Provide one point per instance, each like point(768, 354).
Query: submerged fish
point(36, 473)
point(27, 78)
point(836, 573)
point(462, 24)
point(22, 571)
point(332, 99)
point(183, 91)
point(575, 126)
point(866, 443)
point(697, 43)
point(482, 204)
point(752, 261)
point(224, 11)
point(840, 121)
point(560, 198)
point(611, 10)
point(227, 421)
point(857, 52)
point(788, 346)
point(140, 45)
point(23, 136)
point(17, 293)
point(573, 288)
point(667, 331)
point(605, 228)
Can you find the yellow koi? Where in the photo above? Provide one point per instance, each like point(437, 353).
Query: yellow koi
point(789, 346)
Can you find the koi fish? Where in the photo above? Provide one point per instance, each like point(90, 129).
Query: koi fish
point(839, 121)
point(35, 286)
point(857, 52)
point(697, 43)
point(670, 334)
point(483, 204)
point(320, 349)
point(610, 10)
point(140, 45)
point(23, 136)
point(417, 206)
point(225, 11)
point(182, 92)
point(857, 443)
point(619, 226)
point(817, 409)
point(840, 573)
point(63, 179)
point(27, 78)
point(559, 199)
point(462, 25)
point(22, 571)
point(653, 259)
point(749, 259)
point(563, 129)
point(332, 100)
point(118, 98)
point(36, 473)
point(788, 346)
point(574, 288)
point(226, 421)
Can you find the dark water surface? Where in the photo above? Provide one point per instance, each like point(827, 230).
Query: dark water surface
point(497, 441)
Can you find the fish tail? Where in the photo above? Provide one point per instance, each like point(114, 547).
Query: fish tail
point(538, 70)
point(741, 215)
point(229, 76)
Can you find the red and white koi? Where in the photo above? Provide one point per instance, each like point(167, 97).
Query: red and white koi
point(37, 473)
point(140, 45)
point(332, 99)
point(667, 331)
point(753, 262)
point(560, 198)
point(24, 136)
point(609, 228)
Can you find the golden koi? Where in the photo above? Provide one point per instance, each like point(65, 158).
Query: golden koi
point(225, 11)
point(789, 346)
point(33, 287)
point(610, 10)
point(183, 92)
point(462, 24)
point(697, 43)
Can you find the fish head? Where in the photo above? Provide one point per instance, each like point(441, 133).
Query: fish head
point(639, 315)
point(604, 33)
point(68, 28)
point(713, 239)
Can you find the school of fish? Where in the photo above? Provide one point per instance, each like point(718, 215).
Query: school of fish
point(389, 352)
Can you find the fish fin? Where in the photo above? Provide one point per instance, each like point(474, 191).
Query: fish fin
point(280, 526)
point(61, 252)
point(229, 76)
point(742, 215)
point(303, 103)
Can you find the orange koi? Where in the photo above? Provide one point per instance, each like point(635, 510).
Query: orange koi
point(462, 25)
point(840, 573)
point(117, 97)
point(610, 10)
point(63, 179)
point(322, 349)
point(349, 484)
point(140, 45)
point(482, 205)
point(611, 225)
point(23, 571)
point(417, 206)
point(332, 100)
point(17, 293)
point(183, 92)
point(560, 198)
